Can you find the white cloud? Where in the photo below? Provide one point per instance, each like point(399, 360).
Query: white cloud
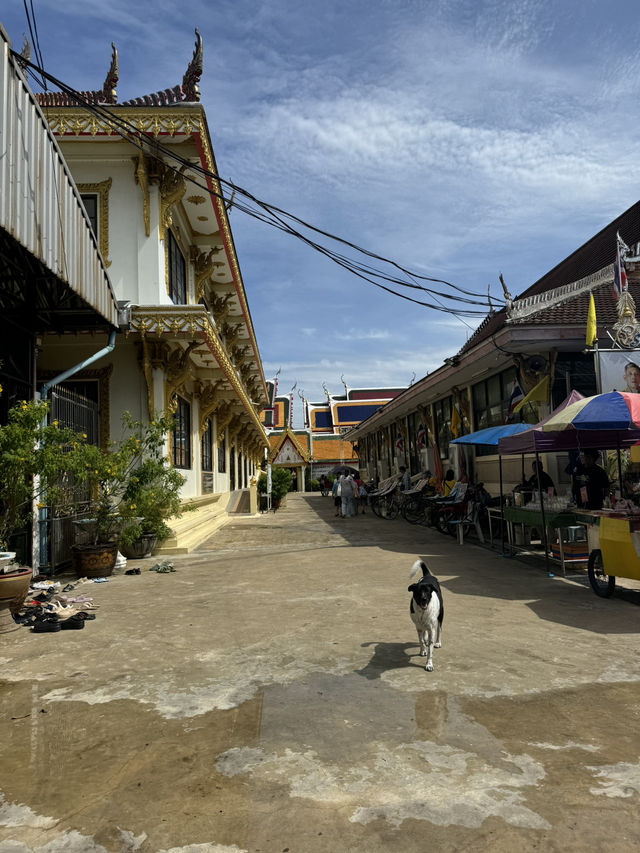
point(461, 138)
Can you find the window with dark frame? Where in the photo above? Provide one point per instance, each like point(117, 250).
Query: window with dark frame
point(491, 399)
point(90, 202)
point(177, 273)
point(206, 447)
point(442, 416)
point(491, 404)
point(222, 457)
point(181, 435)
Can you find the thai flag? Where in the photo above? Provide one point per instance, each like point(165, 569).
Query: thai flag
point(516, 397)
point(421, 436)
point(619, 273)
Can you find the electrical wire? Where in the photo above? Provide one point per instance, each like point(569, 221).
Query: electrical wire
point(280, 219)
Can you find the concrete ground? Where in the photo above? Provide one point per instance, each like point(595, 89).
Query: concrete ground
point(268, 696)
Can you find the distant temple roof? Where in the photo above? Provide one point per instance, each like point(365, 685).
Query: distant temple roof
point(187, 91)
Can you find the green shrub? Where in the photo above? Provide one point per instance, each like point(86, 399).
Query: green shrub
point(280, 483)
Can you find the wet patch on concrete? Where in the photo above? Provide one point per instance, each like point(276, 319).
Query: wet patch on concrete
point(368, 754)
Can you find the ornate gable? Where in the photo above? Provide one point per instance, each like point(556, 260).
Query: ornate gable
point(287, 451)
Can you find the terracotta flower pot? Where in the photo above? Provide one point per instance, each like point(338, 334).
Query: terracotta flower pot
point(94, 561)
point(13, 591)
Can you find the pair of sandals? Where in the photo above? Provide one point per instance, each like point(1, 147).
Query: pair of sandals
point(64, 612)
point(51, 623)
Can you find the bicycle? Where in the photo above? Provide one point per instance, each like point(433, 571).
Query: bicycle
point(386, 505)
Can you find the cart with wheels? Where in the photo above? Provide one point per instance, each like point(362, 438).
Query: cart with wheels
point(614, 548)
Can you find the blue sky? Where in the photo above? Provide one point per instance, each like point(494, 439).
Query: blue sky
point(459, 138)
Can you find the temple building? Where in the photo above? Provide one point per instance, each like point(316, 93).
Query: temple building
point(171, 312)
point(321, 444)
point(534, 349)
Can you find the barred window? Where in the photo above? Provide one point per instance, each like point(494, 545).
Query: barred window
point(181, 435)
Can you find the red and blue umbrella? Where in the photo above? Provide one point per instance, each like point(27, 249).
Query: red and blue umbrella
point(614, 410)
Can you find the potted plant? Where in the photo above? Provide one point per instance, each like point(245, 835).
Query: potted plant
point(33, 462)
point(100, 476)
point(133, 490)
point(152, 492)
point(280, 484)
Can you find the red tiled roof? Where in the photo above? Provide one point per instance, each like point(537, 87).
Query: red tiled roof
point(62, 99)
point(574, 311)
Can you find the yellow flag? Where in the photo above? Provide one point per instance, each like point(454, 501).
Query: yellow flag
point(455, 422)
point(538, 394)
point(592, 329)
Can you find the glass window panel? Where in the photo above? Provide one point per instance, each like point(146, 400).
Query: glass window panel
point(181, 435)
point(177, 273)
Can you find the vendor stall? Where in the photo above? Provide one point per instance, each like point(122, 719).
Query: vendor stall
point(568, 543)
point(611, 421)
point(490, 437)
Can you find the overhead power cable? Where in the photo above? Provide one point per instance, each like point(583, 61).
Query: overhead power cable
point(282, 220)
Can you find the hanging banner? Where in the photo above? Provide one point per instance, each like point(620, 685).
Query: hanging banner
point(618, 370)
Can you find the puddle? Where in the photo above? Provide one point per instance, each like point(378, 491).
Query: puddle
point(350, 756)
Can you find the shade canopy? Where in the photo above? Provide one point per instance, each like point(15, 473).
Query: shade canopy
point(616, 410)
point(491, 435)
point(537, 441)
point(531, 440)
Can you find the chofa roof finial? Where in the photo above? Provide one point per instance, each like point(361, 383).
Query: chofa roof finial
point(193, 73)
point(109, 94)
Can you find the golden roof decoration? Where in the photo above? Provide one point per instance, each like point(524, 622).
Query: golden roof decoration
point(288, 436)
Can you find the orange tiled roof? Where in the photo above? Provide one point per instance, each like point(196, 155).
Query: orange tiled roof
point(332, 449)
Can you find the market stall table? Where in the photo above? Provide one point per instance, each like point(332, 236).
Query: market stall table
point(557, 520)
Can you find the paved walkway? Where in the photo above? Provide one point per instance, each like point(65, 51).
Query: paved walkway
point(268, 696)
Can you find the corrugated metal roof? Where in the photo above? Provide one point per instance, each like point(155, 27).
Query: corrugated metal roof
point(39, 204)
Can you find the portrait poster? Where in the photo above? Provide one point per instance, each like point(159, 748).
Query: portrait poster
point(619, 370)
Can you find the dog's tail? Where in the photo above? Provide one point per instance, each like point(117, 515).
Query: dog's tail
point(419, 566)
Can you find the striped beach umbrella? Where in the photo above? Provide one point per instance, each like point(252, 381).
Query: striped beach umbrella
point(614, 410)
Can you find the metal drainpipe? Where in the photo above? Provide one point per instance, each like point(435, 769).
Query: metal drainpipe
point(44, 394)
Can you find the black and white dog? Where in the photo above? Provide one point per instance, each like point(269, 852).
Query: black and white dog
point(427, 610)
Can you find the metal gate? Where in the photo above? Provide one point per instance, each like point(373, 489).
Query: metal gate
point(75, 411)
point(79, 413)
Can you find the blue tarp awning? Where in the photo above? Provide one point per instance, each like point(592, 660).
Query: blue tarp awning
point(491, 435)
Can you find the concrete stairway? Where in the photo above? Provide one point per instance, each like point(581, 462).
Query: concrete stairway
point(239, 502)
point(196, 526)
